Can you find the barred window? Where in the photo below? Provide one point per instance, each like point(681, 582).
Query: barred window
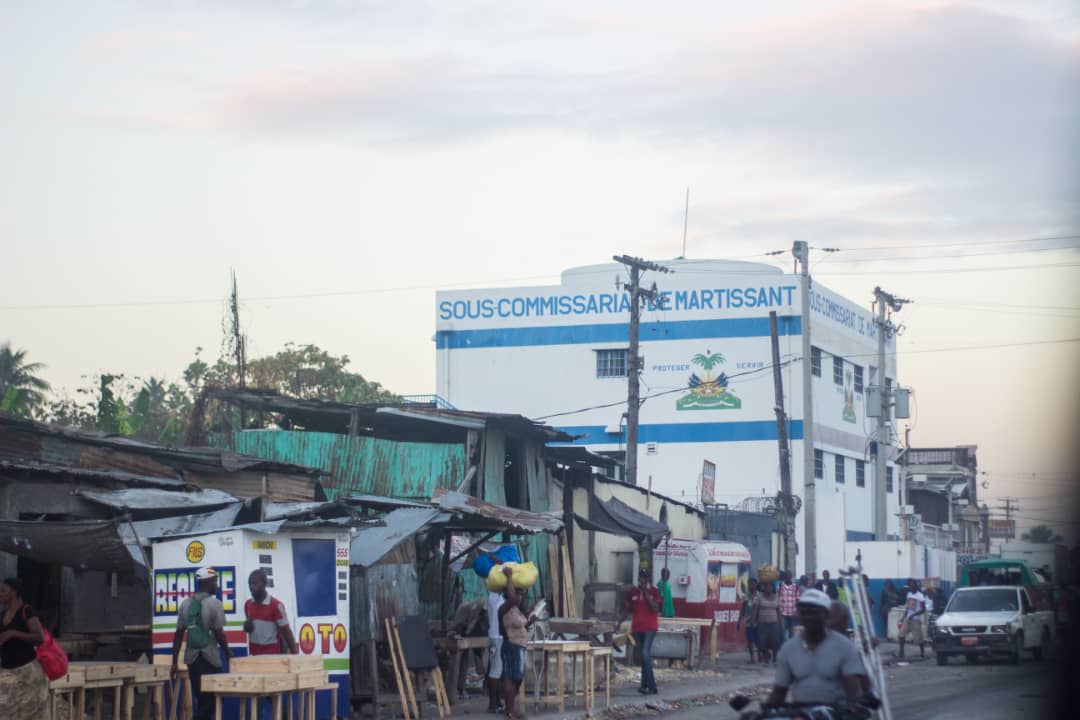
point(819, 464)
point(838, 370)
point(840, 469)
point(815, 361)
point(611, 363)
point(860, 473)
point(858, 379)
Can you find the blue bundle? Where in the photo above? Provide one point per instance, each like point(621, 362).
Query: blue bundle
point(483, 564)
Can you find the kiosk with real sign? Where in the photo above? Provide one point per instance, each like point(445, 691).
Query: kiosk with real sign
point(307, 570)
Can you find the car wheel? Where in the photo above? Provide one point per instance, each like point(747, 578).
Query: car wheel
point(1043, 651)
point(1017, 649)
point(942, 659)
point(972, 658)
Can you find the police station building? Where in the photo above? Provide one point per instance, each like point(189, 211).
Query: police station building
point(559, 353)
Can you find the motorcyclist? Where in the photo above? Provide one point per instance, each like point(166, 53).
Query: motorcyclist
point(822, 666)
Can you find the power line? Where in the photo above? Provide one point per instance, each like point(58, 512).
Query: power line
point(658, 394)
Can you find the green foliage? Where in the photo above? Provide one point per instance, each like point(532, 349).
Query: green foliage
point(22, 392)
point(155, 409)
point(707, 361)
point(1041, 534)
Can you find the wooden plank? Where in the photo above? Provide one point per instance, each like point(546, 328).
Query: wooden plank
point(311, 679)
point(75, 678)
point(249, 682)
point(554, 569)
point(397, 670)
point(99, 670)
point(568, 583)
point(151, 673)
point(276, 663)
point(395, 638)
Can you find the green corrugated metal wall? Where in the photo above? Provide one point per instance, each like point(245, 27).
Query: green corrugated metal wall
point(360, 464)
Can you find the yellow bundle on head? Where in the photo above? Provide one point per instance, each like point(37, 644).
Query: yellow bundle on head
point(768, 574)
point(523, 574)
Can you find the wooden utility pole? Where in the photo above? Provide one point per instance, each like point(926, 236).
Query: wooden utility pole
point(633, 359)
point(885, 328)
point(784, 448)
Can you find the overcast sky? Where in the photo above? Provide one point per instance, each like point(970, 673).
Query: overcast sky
point(370, 152)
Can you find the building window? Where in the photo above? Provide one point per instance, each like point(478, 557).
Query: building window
point(858, 379)
point(888, 479)
point(610, 363)
point(860, 473)
point(838, 370)
point(840, 469)
point(815, 361)
point(819, 464)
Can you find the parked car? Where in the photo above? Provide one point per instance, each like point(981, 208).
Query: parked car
point(992, 619)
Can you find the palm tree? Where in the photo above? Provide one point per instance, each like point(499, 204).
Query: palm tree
point(1041, 534)
point(708, 361)
point(21, 390)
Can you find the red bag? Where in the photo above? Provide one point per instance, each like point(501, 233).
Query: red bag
point(53, 659)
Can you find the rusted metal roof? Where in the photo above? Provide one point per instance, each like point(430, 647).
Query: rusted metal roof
point(371, 544)
point(97, 477)
point(476, 514)
point(406, 420)
point(157, 499)
point(22, 440)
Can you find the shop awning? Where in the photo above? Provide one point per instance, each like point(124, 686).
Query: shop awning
point(615, 517)
point(469, 514)
point(371, 545)
point(87, 544)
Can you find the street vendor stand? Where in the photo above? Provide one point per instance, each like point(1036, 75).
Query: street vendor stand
point(307, 570)
point(707, 578)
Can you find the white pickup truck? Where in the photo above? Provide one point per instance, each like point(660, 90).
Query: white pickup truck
point(992, 619)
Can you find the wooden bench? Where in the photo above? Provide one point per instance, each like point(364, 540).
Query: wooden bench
point(562, 650)
point(70, 689)
point(605, 653)
point(180, 703)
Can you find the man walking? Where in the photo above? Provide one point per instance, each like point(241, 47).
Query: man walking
point(643, 602)
point(202, 618)
point(827, 586)
point(789, 595)
point(913, 623)
point(668, 603)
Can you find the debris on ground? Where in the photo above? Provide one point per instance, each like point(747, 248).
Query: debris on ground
point(663, 707)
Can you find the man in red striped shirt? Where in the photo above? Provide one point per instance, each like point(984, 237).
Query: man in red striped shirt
point(789, 596)
point(266, 624)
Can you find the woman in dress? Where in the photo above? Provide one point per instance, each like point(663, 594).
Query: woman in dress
point(24, 691)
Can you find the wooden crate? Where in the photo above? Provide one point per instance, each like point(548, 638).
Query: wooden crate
point(76, 677)
point(276, 663)
point(311, 679)
point(104, 670)
point(254, 683)
point(151, 673)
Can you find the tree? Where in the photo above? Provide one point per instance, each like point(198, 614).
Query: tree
point(22, 392)
point(1041, 534)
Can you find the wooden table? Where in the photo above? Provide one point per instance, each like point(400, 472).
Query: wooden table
point(102, 677)
point(180, 701)
point(153, 679)
point(456, 646)
point(605, 653)
point(249, 687)
point(562, 649)
point(71, 689)
point(714, 652)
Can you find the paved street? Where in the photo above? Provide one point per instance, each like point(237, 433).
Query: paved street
point(959, 691)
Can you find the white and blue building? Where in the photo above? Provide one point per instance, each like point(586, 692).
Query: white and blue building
point(559, 353)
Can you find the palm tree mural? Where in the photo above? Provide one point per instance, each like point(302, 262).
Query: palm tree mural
point(707, 362)
point(21, 390)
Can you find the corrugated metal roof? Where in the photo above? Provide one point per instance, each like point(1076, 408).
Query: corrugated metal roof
point(90, 475)
point(16, 445)
point(158, 528)
point(361, 465)
point(155, 499)
point(370, 545)
point(523, 521)
point(89, 544)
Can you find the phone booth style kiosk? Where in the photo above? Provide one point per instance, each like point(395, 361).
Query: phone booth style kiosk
point(307, 570)
point(708, 581)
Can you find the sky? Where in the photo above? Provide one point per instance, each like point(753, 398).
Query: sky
point(347, 159)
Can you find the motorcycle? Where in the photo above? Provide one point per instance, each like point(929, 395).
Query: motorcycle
point(861, 709)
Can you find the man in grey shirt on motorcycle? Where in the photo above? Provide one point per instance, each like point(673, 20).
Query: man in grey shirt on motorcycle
point(822, 666)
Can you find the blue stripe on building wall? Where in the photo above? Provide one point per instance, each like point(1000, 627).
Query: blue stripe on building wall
point(615, 332)
point(686, 432)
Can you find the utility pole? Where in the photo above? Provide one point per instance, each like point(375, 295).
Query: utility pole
point(801, 251)
point(1011, 505)
point(237, 337)
point(885, 329)
point(633, 361)
point(784, 448)
point(902, 490)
